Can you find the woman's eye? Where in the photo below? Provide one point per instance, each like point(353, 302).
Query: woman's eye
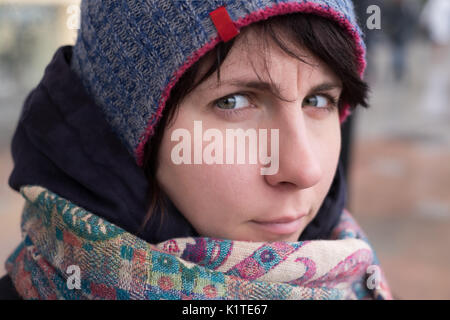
point(317, 100)
point(235, 101)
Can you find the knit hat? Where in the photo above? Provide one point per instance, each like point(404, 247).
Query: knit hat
point(130, 54)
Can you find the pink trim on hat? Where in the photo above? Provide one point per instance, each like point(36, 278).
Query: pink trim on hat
point(262, 14)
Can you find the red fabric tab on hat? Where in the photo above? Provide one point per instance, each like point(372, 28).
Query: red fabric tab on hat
point(224, 25)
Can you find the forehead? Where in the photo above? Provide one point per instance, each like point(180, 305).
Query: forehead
point(253, 49)
point(254, 57)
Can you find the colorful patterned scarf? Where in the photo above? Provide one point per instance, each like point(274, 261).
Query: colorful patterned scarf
point(69, 253)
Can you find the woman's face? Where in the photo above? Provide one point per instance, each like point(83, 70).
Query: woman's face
point(233, 200)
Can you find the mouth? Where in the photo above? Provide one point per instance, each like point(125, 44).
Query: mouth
point(281, 226)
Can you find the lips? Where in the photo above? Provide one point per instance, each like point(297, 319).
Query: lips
point(283, 225)
point(282, 220)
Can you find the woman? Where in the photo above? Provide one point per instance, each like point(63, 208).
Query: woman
point(133, 186)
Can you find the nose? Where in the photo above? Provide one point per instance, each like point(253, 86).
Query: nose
point(299, 165)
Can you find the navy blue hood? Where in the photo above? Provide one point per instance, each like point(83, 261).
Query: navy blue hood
point(63, 143)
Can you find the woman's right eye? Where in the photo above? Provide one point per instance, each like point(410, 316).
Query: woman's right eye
point(233, 102)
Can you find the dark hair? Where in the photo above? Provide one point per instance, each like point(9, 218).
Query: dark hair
point(322, 37)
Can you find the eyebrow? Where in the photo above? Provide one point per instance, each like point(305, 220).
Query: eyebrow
point(274, 88)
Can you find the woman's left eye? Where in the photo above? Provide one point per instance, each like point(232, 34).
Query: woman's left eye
point(320, 101)
point(234, 101)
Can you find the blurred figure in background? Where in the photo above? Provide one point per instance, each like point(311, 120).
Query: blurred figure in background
point(399, 25)
point(435, 19)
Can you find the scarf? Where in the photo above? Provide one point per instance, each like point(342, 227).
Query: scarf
point(70, 253)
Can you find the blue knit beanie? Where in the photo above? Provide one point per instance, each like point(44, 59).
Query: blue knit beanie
point(129, 53)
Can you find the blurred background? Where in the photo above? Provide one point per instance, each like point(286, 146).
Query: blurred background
point(397, 151)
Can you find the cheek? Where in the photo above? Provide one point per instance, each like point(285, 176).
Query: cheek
point(329, 151)
point(209, 196)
